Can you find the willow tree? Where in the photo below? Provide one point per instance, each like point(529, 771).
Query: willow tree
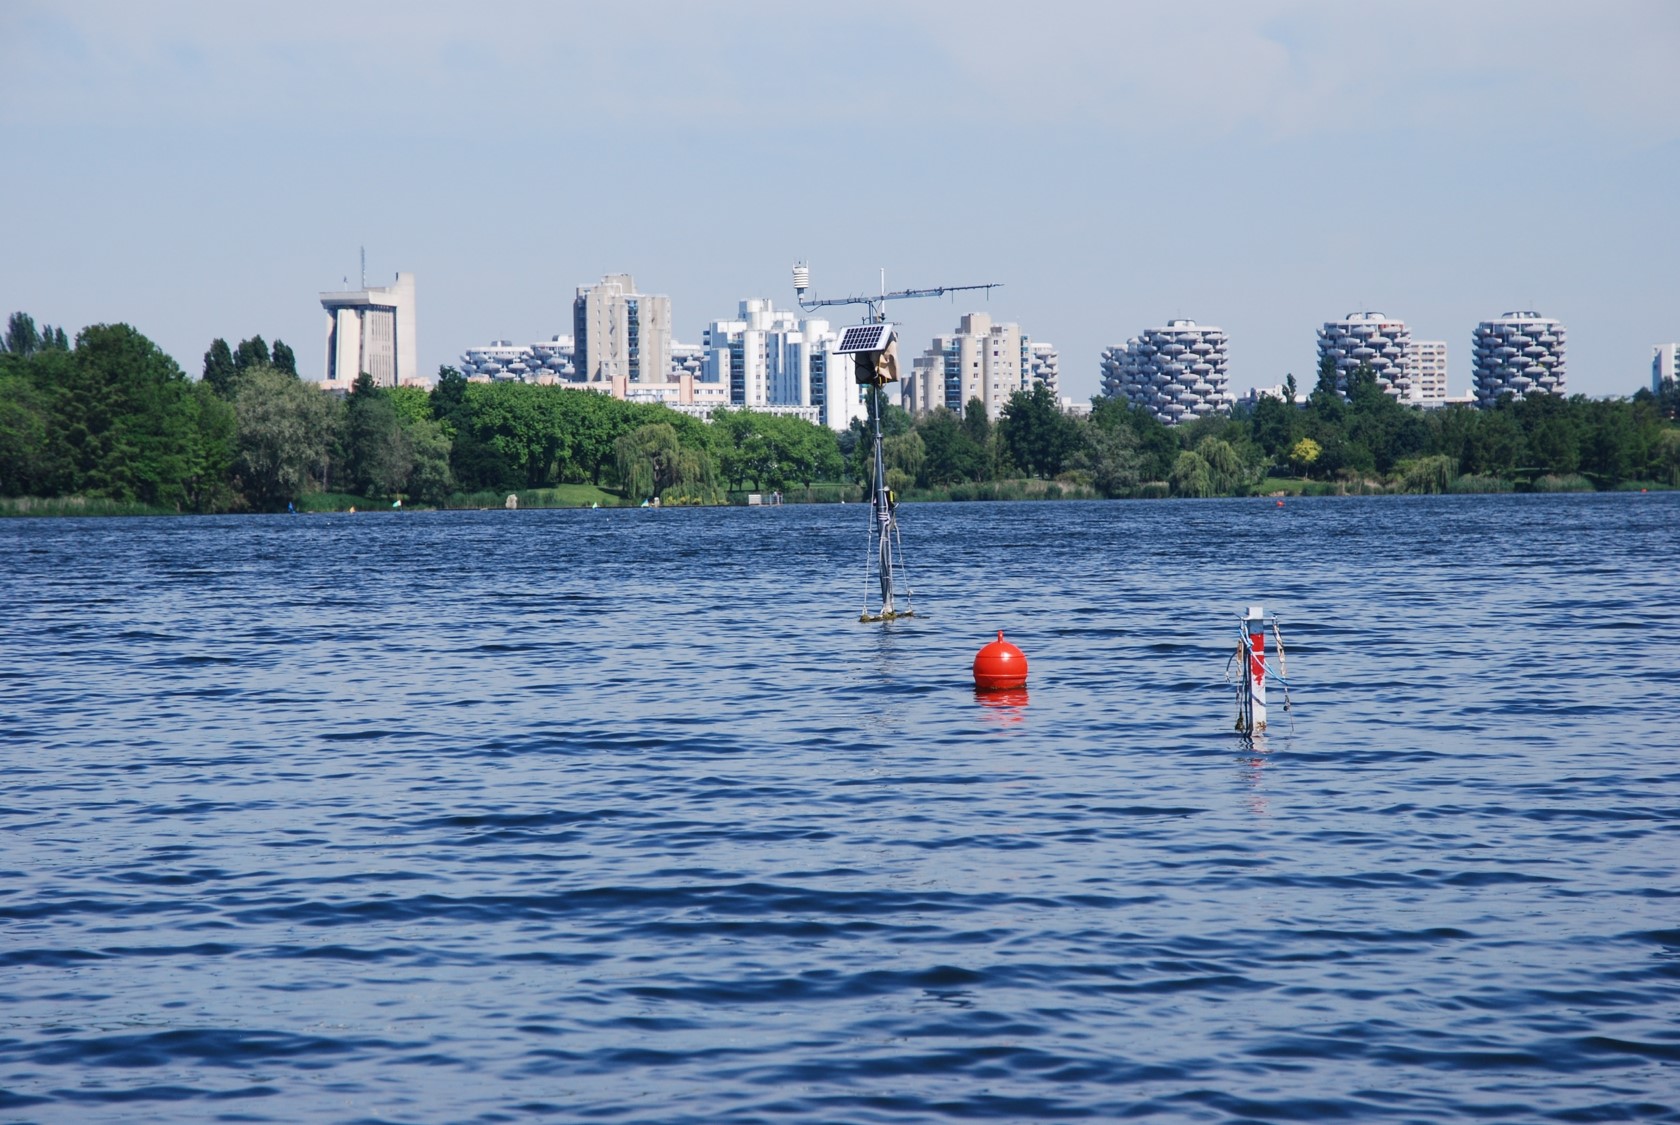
point(654, 464)
point(1191, 476)
point(1226, 472)
point(286, 431)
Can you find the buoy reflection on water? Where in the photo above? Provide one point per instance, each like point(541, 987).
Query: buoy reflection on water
point(1007, 706)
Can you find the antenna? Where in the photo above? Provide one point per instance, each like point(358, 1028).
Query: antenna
point(364, 267)
point(877, 304)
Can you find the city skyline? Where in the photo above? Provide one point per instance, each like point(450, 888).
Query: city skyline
point(192, 170)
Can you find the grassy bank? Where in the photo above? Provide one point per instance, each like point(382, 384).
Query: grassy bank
point(560, 496)
point(586, 495)
point(74, 506)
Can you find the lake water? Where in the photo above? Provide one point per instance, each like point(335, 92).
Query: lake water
point(622, 816)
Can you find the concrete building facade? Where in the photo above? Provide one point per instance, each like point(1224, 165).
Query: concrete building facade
point(1426, 364)
point(1520, 354)
point(1044, 365)
point(1665, 367)
point(980, 360)
point(1178, 372)
point(372, 330)
point(773, 359)
point(1369, 339)
point(618, 331)
point(550, 361)
point(555, 361)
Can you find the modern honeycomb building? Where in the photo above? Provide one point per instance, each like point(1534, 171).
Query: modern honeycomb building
point(529, 363)
point(554, 361)
point(1519, 354)
point(1044, 365)
point(1177, 372)
point(1369, 339)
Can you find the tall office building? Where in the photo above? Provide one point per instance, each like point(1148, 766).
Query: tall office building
point(980, 360)
point(1665, 367)
point(773, 359)
point(1368, 339)
point(1520, 354)
point(372, 330)
point(1426, 363)
point(618, 331)
point(1177, 372)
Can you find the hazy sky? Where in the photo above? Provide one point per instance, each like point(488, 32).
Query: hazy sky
point(203, 168)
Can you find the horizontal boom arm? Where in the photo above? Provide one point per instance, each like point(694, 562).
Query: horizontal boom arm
point(874, 302)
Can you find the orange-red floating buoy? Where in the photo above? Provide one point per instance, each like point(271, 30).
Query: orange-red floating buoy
point(1000, 666)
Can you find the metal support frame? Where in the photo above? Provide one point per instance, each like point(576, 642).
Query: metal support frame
point(885, 546)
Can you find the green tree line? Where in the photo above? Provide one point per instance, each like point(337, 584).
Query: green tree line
point(109, 415)
point(1330, 439)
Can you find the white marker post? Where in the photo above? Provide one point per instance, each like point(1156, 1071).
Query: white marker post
point(1253, 715)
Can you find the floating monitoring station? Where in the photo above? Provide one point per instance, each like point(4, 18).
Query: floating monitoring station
point(873, 346)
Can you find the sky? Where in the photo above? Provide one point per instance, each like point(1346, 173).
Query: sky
point(203, 169)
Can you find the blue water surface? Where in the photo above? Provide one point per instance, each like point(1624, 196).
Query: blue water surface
point(623, 816)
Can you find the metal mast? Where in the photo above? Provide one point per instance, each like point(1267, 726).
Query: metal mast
point(873, 346)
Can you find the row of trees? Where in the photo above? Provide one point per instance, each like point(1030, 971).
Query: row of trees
point(1353, 432)
point(519, 435)
point(113, 416)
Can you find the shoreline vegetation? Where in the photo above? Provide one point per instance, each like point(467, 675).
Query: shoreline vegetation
point(1005, 491)
point(108, 424)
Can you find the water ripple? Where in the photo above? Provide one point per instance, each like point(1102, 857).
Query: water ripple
point(621, 816)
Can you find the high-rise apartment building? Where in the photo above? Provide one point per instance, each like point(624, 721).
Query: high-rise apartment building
point(372, 331)
point(1520, 354)
point(618, 331)
point(1665, 367)
point(1177, 372)
point(1044, 365)
point(980, 360)
point(772, 358)
point(1368, 339)
point(1426, 364)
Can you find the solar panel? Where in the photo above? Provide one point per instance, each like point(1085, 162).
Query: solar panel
point(864, 338)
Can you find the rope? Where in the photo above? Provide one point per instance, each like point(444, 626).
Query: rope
point(868, 550)
point(1245, 652)
point(898, 553)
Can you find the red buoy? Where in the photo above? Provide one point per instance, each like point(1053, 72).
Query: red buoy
point(1000, 666)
